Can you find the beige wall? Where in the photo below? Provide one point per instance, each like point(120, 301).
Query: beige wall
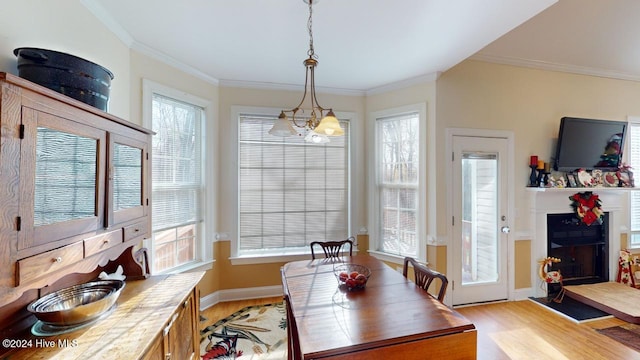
point(522, 259)
point(423, 93)
point(144, 67)
point(226, 276)
point(65, 26)
point(530, 103)
point(437, 257)
point(472, 94)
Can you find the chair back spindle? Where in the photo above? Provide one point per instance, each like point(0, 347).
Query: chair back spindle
point(332, 249)
point(424, 276)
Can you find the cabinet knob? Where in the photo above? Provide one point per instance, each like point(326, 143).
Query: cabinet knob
point(57, 260)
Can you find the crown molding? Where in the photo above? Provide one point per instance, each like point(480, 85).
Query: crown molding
point(155, 54)
point(550, 66)
point(107, 20)
point(287, 87)
point(398, 85)
point(423, 79)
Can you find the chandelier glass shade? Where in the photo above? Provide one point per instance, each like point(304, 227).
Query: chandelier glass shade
point(320, 121)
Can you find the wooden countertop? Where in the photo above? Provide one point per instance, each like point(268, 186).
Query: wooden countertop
point(611, 297)
point(143, 310)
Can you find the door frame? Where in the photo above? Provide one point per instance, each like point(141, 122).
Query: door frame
point(510, 211)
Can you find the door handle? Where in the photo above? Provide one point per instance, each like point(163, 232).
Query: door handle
point(505, 229)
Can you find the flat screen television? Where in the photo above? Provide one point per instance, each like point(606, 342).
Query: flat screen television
point(589, 144)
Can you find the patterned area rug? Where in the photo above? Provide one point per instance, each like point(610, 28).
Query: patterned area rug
point(628, 335)
point(253, 333)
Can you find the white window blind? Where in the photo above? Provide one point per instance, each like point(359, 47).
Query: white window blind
point(291, 192)
point(177, 184)
point(633, 141)
point(397, 178)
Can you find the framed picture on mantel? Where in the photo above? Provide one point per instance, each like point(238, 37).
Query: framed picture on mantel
point(571, 180)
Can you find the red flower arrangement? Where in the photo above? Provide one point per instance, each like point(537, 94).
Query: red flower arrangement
point(587, 207)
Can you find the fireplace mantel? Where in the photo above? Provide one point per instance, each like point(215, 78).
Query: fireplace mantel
point(544, 201)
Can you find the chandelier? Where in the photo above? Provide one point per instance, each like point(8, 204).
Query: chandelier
point(319, 123)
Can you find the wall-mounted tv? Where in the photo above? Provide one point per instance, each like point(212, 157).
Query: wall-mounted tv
point(589, 144)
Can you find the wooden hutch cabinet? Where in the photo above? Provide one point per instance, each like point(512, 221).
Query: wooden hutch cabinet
point(178, 339)
point(74, 201)
point(76, 184)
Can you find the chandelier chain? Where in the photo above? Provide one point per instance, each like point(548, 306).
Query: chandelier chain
point(311, 52)
point(327, 124)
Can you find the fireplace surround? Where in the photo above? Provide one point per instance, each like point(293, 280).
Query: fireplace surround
point(582, 249)
point(545, 203)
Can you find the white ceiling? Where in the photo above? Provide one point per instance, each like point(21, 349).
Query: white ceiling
point(365, 45)
point(594, 37)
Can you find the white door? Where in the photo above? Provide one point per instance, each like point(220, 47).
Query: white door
point(480, 219)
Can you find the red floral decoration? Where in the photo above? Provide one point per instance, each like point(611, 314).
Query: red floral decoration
point(587, 207)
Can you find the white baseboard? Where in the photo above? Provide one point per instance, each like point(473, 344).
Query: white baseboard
point(522, 294)
point(239, 294)
point(270, 291)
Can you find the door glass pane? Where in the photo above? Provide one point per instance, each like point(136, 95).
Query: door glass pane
point(65, 180)
point(127, 177)
point(479, 223)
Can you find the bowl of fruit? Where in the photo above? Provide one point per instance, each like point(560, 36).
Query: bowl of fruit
point(352, 276)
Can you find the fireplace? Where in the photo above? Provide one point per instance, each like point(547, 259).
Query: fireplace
point(595, 248)
point(583, 249)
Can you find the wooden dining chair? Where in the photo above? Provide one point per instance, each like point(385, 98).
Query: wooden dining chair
point(333, 248)
point(293, 341)
point(424, 276)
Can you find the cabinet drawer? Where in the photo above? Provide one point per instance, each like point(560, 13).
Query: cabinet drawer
point(39, 265)
point(135, 230)
point(102, 242)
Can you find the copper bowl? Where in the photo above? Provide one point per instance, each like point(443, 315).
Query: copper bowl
point(77, 304)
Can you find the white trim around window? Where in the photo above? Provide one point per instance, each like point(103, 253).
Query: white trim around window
point(631, 155)
point(425, 157)
point(268, 256)
point(204, 248)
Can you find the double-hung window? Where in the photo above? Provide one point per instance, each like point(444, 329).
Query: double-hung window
point(633, 144)
point(291, 191)
point(396, 212)
point(178, 186)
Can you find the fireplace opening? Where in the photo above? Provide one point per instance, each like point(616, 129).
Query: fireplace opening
point(582, 249)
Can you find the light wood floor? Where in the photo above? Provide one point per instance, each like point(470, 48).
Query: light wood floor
point(511, 330)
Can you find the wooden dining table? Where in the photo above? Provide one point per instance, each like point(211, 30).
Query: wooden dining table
point(391, 318)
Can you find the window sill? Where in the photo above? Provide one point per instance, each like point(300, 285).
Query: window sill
point(394, 259)
point(195, 266)
point(273, 258)
point(268, 259)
